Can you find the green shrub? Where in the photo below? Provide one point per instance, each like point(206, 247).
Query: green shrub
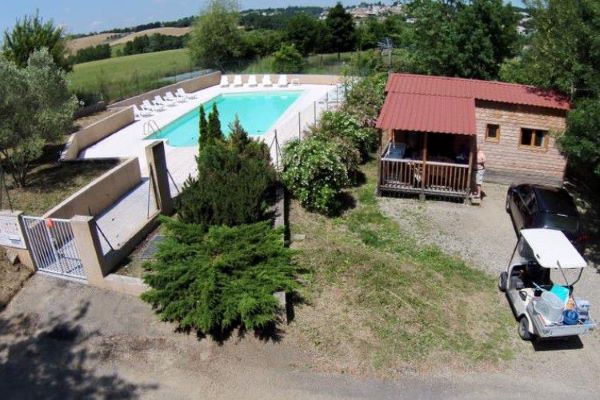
point(314, 171)
point(287, 60)
point(343, 125)
point(213, 281)
point(365, 99)
point(234, 178)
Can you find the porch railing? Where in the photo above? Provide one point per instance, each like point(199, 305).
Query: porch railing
point(429, 177)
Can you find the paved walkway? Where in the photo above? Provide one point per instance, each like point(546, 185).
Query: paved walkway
point(126, 217)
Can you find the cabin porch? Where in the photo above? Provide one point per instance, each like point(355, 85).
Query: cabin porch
point(425, 163)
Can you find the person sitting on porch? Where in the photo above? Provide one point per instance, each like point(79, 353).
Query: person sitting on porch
point(480, 171)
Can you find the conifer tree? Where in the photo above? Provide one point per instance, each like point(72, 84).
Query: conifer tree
point(214, 125)
point(203, 127)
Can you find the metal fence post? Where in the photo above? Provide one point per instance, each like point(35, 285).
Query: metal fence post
point(327, 101)
point(299, 127)
point(315, 111)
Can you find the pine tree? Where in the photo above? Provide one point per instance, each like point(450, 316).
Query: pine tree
point(212, 281)
point(234, 177)
point(203, 127)
point(214, 124)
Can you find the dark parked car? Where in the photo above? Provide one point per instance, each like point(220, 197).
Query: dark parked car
point(538, 206)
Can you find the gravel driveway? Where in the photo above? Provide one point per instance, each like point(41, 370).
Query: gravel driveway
point(484, 236)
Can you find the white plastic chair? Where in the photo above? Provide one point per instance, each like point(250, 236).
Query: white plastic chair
point(141, 113)
point(159, 104)
point(283, 81)
point(182, 93)
point(266, 81)
point(159, 100)
point(170, 97)
point(224, 81)
point(252, 81)
point(237, 81)
point(152, 107)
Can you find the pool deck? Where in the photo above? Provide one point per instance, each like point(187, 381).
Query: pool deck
point(130, 142)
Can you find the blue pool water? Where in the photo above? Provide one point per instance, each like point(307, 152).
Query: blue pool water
point(257, 112)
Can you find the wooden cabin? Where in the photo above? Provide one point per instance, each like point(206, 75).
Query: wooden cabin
point(431, 128)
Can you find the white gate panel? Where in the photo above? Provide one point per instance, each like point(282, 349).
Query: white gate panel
point(52, 245)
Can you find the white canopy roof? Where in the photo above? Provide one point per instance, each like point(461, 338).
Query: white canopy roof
point(551, 247)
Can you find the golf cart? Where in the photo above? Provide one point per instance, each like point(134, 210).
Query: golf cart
point(544, 309)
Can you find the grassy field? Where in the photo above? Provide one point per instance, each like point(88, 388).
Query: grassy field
point(378, 303)
point(125, 76)
point(102, 38)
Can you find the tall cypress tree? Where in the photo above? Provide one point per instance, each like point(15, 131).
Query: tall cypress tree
point(214, 125)
point(203, 127)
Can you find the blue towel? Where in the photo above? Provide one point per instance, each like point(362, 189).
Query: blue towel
point(561, 292)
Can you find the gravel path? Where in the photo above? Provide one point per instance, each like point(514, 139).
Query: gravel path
point(485, 237)
point(482, 235)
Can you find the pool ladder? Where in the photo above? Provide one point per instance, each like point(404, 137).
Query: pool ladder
point(150, 127)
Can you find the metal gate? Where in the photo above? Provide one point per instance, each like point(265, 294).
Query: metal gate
point(52, 245)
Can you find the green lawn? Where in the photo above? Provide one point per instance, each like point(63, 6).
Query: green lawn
point(379, 302)
point(120, 77)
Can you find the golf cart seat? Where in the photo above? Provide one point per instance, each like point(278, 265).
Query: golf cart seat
point(529, 275)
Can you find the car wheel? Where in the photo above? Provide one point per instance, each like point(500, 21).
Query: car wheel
point(524, 329)
point(502, 281)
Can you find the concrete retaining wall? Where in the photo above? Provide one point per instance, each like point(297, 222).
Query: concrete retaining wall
point(96, 132)
point(190, 85)
point(101, 193)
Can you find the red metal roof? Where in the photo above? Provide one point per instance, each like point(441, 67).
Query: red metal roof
point(424, 113)
point(481, 90)
point(447, 105)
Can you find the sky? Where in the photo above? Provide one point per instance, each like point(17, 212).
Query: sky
point(82, 16)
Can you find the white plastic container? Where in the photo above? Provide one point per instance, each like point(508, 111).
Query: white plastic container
point(550, 307)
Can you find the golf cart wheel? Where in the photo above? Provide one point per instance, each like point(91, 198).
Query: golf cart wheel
point(502, 279)
point(524, 329)
point(507, 204)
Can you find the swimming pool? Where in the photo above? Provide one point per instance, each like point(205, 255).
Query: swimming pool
point(257, 112)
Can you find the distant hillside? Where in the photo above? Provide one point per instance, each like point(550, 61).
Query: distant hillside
point(80, 43)
point(163, 31)
point(114, 39)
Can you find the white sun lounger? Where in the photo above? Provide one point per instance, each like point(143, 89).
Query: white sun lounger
point(141, 113)
point(161, 101)
point(224, 81)
point(153, 107)
point(237, 81)
point(266, 81)
point(182, 93)
point(170, 97)
point(252, 81)
point(283, 81)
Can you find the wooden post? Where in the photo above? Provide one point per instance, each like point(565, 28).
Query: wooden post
point(424, 170)
point(469, 183)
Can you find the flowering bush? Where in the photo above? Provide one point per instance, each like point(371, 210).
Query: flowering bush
point(314, 171)
point(343, 125)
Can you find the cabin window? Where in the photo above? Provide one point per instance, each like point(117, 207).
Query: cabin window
point(492, 132)
point(535, 138)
